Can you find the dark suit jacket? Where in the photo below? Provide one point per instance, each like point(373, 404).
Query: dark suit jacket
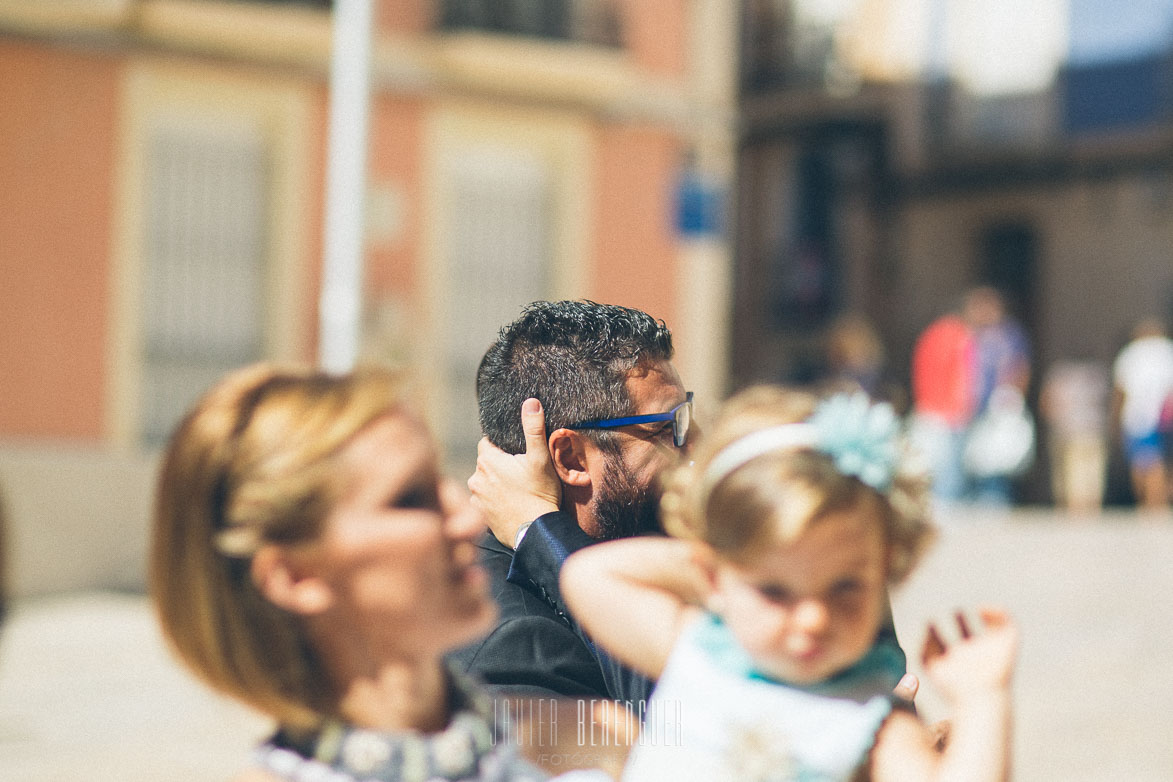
point(536, 649)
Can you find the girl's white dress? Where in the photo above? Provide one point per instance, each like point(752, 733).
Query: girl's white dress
point(713, 718)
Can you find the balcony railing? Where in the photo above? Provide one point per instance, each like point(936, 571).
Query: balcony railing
point(585, 21)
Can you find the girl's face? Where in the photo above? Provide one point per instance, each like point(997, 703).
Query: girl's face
point(396, 551)
point(807, 609)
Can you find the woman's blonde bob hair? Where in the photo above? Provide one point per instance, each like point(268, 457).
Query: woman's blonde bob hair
point(254, 462)
point(780, 494)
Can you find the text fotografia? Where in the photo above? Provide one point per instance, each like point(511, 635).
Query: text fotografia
point(549, 722)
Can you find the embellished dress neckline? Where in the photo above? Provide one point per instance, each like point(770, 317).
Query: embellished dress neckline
point(473, 746)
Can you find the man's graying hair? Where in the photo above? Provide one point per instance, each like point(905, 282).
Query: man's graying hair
point(571, 355)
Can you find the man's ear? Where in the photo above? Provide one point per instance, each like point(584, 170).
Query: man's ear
point(285, 583)
point(569, 453)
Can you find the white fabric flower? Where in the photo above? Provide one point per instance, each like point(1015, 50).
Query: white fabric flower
point(365, 751)
point(452, 753)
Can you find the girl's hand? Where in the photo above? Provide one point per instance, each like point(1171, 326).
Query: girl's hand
point(977, 664)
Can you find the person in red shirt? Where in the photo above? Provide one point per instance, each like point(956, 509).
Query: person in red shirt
point(944, 398)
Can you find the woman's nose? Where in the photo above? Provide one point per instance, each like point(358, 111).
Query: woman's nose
point(461, 520)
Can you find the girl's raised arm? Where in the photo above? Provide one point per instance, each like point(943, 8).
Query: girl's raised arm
point(634, 596)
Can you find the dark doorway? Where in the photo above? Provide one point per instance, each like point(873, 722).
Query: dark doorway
point(810, 221)
point(1009, 262)
point(1008, 258)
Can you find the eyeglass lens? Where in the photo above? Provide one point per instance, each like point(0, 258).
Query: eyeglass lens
point(680, 423)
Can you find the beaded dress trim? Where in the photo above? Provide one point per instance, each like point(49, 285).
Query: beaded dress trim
point(472, 747)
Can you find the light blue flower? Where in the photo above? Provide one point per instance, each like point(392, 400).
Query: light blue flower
point(860, 437)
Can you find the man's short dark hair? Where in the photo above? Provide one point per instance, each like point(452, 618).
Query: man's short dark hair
point(574, 356)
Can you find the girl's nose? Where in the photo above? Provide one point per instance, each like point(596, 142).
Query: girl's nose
point(810, 616)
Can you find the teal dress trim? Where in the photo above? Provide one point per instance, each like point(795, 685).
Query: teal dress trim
point(880, 670)
point(714, 716)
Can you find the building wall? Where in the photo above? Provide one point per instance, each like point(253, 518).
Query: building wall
point(58, 126)
point(656, 33)
point(1103, 259)
point(80, 95)
point(1103, 263)
point(1110, 264)
point(395, 217)
point(634, 248)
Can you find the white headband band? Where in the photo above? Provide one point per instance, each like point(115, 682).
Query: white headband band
point(861, 438)
point(760, 443)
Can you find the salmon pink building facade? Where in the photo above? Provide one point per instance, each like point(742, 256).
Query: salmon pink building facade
point(162, 198)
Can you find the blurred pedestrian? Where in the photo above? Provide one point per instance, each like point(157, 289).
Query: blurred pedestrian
point(1143, 402)
point(1074, 403)
point(856, 361)
point(308, 560)
point(1001, 436)
point(943, 396)
point(1002, 349)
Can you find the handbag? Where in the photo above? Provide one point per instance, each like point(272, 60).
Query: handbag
point(1001, 441)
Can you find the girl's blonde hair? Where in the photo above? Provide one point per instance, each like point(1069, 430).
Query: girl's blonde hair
point(254, 462)
point(781, 493)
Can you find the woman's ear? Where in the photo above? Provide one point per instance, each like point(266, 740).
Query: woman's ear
point(571, 457)
point(287, 584)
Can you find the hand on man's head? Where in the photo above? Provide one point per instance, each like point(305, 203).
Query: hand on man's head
point(513, 489)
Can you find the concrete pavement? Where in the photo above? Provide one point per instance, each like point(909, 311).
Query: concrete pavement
point(1094, 686)
point(87, 689)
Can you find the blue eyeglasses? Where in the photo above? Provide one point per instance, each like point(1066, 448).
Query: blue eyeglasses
point(680, 416)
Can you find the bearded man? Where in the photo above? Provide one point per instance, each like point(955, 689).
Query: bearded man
point(599, 379)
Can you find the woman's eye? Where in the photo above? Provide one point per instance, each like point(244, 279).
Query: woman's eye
point(418, 498)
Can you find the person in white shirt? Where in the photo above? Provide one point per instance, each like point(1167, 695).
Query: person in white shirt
point(1143, 375)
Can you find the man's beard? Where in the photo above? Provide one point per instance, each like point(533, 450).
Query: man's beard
point(622, 507)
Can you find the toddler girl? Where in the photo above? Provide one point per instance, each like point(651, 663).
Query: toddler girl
point(761, 618)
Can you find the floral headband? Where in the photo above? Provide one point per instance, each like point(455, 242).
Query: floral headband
point(859, 436)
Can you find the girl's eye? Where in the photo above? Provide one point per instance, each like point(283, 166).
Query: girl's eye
point(774, 593)
point(846, 589)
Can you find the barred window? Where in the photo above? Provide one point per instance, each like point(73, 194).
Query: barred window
point(499, 230)
point(204, 266)
point(588, 21)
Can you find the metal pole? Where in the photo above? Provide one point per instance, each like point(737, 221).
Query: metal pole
point(340, 305)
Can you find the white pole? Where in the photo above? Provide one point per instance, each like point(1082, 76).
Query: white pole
point(340, 304)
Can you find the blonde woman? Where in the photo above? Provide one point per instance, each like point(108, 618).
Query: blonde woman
point(308, 560)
